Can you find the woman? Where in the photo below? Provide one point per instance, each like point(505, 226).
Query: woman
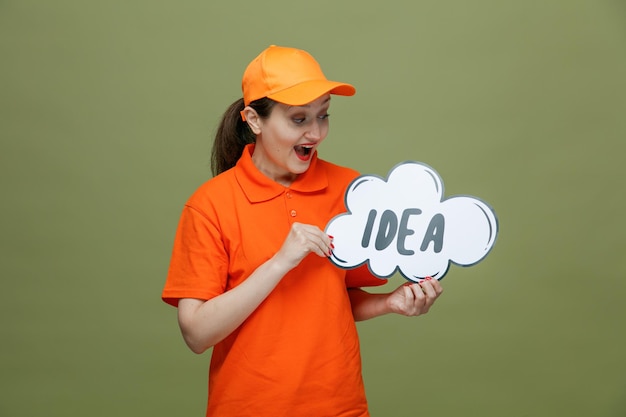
point(249, 273)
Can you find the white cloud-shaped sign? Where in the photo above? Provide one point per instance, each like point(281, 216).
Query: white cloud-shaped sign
point(405, 225)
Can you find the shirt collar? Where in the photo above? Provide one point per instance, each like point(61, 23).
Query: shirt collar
point(257, 187)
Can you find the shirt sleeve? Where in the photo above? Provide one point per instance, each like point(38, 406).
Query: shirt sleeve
point(199, 263)
point(362, 277)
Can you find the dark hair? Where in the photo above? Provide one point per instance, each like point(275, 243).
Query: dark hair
point(233, 134)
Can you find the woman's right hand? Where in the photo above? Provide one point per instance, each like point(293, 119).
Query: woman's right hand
point(302, 240)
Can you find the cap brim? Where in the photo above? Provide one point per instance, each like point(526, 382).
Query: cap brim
point(306, 92)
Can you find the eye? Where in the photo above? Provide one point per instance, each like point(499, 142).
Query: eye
point(298, 120)
point(324, 116)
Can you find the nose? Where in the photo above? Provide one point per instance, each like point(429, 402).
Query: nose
point(314, 133)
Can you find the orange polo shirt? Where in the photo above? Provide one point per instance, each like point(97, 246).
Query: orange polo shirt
point(298, 353)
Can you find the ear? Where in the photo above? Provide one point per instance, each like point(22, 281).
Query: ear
point(252, 118)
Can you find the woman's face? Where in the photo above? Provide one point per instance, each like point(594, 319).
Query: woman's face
point(287, 139)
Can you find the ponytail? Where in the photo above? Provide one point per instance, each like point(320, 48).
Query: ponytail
point(233, 134)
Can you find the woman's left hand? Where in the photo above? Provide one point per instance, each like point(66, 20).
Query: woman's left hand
point(414, 299)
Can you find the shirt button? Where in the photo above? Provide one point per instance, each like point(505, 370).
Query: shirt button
point(293, 213)
point(288, 194)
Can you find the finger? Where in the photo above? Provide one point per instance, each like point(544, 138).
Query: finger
point(428, 289)
point(316, 234)
point(319, 247)
point(409, 295)
point(437, 286)
point(432, 289)
point(418, 296)
point(322, 242)
point(434, 284)
point(419, 303)
point(429, 295)
point(313, 239)
point(323, 248)
point(326, 242)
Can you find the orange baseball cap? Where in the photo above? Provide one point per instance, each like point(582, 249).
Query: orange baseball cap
point(290, 76)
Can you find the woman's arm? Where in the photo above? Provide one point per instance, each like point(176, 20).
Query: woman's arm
point(410, 299)
point(204, 323)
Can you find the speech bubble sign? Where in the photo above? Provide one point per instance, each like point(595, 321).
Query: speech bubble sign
point(404, 224)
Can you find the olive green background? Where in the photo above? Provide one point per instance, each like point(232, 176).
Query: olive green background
point(106, 115)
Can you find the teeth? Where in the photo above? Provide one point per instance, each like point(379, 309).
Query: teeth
point(304, 149)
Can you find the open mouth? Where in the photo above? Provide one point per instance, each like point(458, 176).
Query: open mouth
point(304, 152)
